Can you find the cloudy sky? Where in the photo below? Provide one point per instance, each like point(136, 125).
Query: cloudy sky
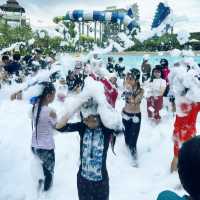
point(41, 12)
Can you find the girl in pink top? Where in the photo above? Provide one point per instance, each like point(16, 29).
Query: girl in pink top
point(43, 122)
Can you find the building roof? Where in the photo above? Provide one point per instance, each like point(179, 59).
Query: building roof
point(12, 6)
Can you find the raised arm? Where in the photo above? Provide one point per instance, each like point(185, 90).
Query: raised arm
point(62, 122)
point(71, 127)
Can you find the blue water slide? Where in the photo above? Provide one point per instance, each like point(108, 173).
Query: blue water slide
point(81, 15)
point(161, 14)
point(77, 15)
point(132, 25)
point(130, 12)
point(117, 16)
point(114, 17)
point(98, 16)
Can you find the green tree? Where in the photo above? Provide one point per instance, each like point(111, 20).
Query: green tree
point(70, 28)
point(11, 35)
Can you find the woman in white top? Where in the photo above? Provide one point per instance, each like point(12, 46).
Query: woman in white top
point(156, 88)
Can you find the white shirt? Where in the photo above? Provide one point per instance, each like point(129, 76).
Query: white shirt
point(157, 87)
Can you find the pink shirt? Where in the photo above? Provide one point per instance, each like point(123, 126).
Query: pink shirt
point(44, 130)
point(166, 72)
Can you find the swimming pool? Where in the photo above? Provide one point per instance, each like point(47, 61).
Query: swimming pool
point(136, 60)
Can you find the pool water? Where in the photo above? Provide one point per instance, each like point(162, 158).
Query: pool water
point(136, 60)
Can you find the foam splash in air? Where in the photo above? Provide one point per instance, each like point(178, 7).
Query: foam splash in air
point(12, 47)
point(185, 82)
point(183, 37)
point(94, 89)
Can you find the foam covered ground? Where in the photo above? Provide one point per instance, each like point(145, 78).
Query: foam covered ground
point(18, 166)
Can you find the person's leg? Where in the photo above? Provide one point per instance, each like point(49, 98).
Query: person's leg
point(48, 162)
point(84, 190)
point(37, 171)
point(135, 129)
point(175, 158)
point(148, 76)
point(166, 91)
point(143, 78)
point(158, 102)
point(174, 164)
point(47, 178)
point(131, 134)
point(150, 107)
point(101, 190)
point(127, 131)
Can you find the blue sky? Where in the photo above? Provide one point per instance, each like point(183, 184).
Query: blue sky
point(41, 12)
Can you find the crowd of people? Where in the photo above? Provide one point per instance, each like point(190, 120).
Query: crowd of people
point(14, 67)
point(152, 84)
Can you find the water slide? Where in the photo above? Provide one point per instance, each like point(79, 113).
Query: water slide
point(162, 12)
point(101, 16)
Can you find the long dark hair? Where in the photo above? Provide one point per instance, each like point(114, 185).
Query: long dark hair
point(159, 68)
point(48, 88)
point(135, 74)
point(138, 85)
